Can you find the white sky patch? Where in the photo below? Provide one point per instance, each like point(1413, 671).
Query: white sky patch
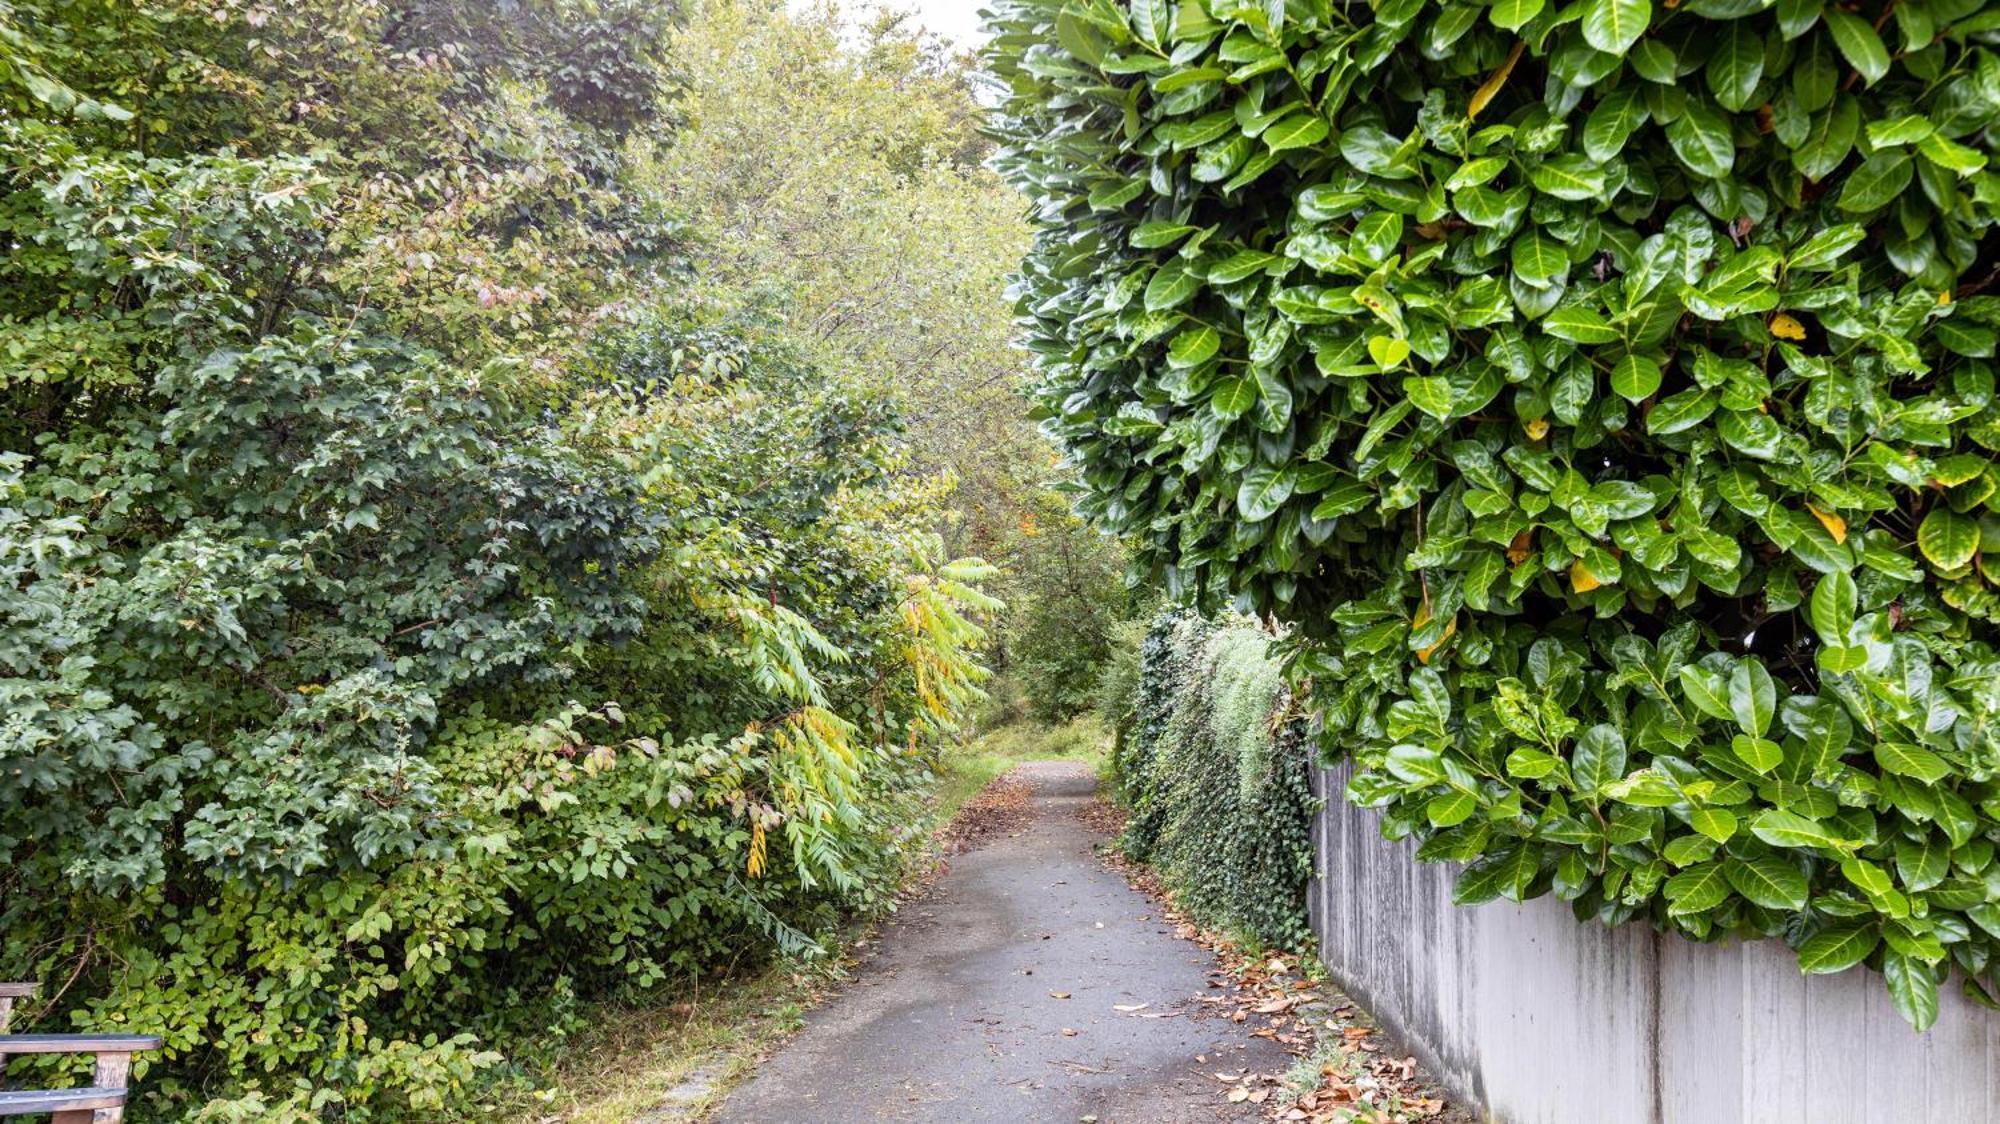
point(957, 20)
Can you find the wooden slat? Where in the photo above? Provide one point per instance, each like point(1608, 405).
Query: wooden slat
point(30, 1102)
point(77, 1043)
point(19, 990)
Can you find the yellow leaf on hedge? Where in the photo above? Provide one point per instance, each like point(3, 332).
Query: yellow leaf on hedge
point(1491, 87)
point(1785, 326)
point(1450, 627)
point(1581, 579)
point(1834, 524)
point(1537, 429)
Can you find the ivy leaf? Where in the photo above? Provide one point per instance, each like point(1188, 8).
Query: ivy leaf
point(1612, 26)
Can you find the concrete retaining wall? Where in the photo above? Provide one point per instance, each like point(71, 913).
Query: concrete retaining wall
point(1533, 1018)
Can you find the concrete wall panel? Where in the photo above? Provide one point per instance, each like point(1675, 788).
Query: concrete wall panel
point(1534, 1018)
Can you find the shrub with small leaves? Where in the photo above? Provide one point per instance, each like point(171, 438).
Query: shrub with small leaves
point(1604, 391)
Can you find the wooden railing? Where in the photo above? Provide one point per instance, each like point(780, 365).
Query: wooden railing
point(102, 1102)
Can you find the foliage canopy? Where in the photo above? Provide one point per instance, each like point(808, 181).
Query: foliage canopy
point(427, 603)
point(1604, 391)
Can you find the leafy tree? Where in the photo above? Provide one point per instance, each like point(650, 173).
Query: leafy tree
point(427, 606)
point(1604, 393)
point(876, 233)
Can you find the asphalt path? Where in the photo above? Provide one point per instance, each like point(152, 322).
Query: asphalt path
point(1031, 984)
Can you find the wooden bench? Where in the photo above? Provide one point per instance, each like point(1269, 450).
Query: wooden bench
point(102, 1102)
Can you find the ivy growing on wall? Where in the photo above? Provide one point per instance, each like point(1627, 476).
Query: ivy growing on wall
point(1217, 772)
point(1604, 391)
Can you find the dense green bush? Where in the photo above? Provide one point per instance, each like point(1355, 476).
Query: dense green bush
point(1216, 772)
point(1603, 391)
point(423, 609)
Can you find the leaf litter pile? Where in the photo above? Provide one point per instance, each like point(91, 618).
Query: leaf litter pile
point(1346, 1072)
point(1001, 808)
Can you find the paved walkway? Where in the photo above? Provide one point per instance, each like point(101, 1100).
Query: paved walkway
point(957, 1015)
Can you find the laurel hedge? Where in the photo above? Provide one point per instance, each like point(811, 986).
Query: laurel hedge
point(1603, 391)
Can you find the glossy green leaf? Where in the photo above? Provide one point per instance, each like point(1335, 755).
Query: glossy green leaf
point(1858, 43)
point(1701, 138)
point(1947, 538)
point(1263, 491)
point(1911, 761)
point(1837, 949)
point(1770, 882)
point(1912, 989)
point(1301, 130)
point(1613, 26)
point(1753, 696)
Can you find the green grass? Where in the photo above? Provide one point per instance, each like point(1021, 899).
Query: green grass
point(674, 1059)
point(1085, 738)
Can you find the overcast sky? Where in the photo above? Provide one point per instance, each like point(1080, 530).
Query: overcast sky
point(956, 18)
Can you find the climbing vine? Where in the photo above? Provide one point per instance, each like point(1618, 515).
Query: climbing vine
point(1215, 767)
